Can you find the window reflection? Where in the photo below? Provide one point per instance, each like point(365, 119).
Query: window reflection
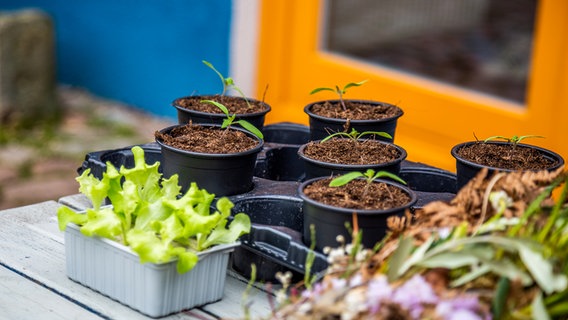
point(483, 45)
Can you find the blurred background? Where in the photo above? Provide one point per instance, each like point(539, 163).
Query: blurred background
point(104, 73)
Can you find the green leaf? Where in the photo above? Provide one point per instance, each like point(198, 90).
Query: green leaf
point(95, 189)
point(169, 228)
point(500, 298)
point(542, 270)
point(387, 174)
point(187, 260)
point(345, 179)
point(399, 256)
point(149, 246)
point(538, 309)
point(416, 256)
point(218, 105)
point(251, 128)
point(240, 225)
point(102, 223)
point(353, 84)
point(65, 215)
point(316, 90)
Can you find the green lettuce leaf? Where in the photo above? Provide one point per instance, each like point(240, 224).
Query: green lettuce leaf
point(149, 214)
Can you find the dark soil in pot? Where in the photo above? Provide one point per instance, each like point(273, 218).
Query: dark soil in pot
point(339, 156)
point(347, 151)
point(207, 139)
point(192, 109)
point(505, 156)
point(355, 110)
point(329, 209)
point(357, 194)
point(501, 156)
point(328, 117)
point(220, 161)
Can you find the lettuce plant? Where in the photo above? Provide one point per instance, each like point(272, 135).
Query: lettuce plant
point(149, 214)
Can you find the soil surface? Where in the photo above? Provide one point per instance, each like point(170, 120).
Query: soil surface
point(347, 151)
point(42, 165)
point(197, 138)
point(505, 156)
point(357, 194)
point(355, 110)
point(235, 105)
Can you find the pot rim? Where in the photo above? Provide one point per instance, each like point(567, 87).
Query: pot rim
point(407, 190)
point(402, 157)
point(545, 152)
point(353, 121)
point(220, 115)
point(256, 149)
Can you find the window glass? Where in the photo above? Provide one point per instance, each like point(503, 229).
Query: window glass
point(483, 45)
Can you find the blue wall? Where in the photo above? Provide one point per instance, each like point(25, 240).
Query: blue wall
point(144, 53)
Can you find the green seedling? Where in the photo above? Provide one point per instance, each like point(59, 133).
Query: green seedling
point(514, 140)
point(230, 120)
point(370, 175)
point(228, 83)
point(356, 135)
point(340, 92)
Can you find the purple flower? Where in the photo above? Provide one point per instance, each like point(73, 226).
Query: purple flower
point(378, 290)
point(463, 307)
point(412, 294)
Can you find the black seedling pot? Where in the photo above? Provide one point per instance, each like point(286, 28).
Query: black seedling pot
point(467, 170)
point(321, 127)
point(186, 115)
point(279, 160)
point(280, 163)
point(329, 221)
point(315, 168)
point(221, 174)
point(286, 133)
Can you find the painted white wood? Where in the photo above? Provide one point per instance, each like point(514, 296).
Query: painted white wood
point(244, 45)
point(31, 244)
point(22, 299)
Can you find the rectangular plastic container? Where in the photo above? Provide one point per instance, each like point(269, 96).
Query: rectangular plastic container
point(153, 289)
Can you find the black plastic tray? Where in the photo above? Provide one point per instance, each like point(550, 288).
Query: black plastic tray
point(275, 241)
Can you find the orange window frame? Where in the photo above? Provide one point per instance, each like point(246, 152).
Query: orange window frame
point(437, 115)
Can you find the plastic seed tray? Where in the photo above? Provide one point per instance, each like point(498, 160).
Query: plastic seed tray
point(275, 242)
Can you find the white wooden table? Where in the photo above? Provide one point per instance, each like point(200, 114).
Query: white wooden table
point(33, 283)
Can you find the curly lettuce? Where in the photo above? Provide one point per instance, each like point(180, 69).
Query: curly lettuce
point(149, 214)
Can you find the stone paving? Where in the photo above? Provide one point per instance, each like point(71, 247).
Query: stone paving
point(32, 172)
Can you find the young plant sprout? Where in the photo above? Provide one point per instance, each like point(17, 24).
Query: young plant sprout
point(514, 140)
point(370, 175)
point(227, 122)
point(228, 83)
point(356, 135)
point(340, 92)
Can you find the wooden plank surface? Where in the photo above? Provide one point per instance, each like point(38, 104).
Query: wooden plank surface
point(21, 298)
point(32, 245)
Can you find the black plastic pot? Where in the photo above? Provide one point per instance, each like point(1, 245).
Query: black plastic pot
point(321, 127)
point(286, 133)
point(467, 170)
point(280, 163)
point(429, 183)
point(315, 168)
point(275, 241)
point(221, 174)
point(329, 221)
point(186, 115)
